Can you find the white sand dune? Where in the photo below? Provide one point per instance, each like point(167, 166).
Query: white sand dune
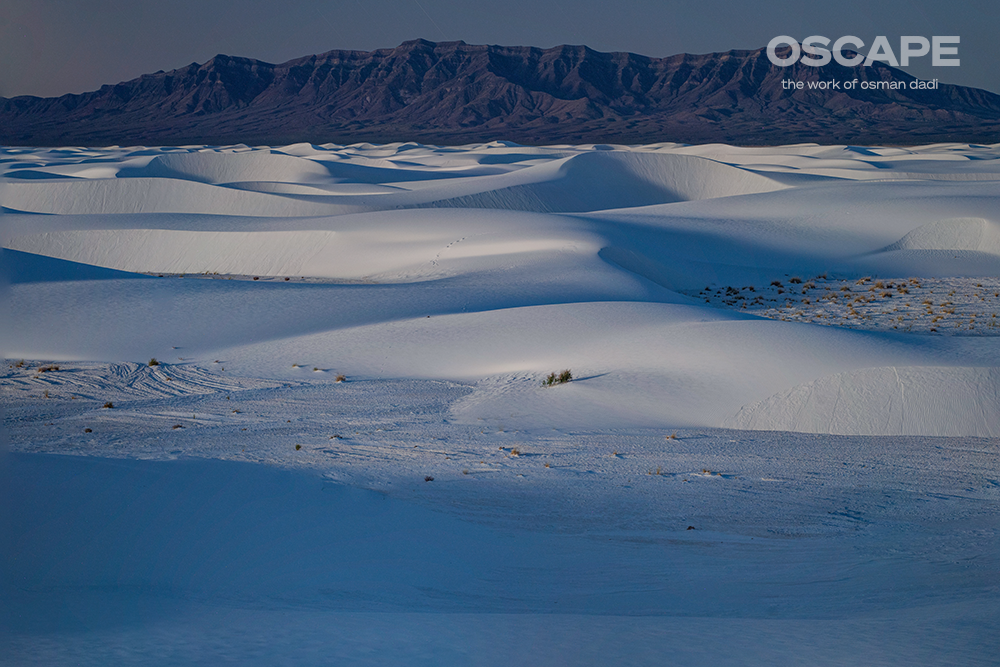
point(973, 234)
point(118, 196)
point(217, 168)
point(661, 222)
point(778, 445)
point(914, 400)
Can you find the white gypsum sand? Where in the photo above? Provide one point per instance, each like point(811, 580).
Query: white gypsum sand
point(790, 350)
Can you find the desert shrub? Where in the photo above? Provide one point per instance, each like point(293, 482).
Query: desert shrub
point(298, 447)
point(340, 378)
point(428, 478)
point(562, 378)
point(109, 405)
point(46, 369)
point(88, 430)
point(776, 283)
point(795, 281)
point(154, 362)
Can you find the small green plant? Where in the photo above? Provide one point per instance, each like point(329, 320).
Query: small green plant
point(298, 447)
point(154, 362)
point(561, 378)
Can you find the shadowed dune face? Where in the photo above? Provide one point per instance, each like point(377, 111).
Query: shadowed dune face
point(634, 263)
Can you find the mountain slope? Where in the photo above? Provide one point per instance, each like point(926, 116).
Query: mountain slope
point(456, 93)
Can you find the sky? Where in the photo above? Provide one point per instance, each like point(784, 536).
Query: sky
point(53, 47)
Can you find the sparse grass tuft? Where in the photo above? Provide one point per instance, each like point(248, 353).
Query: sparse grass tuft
point(109, 405)
point(562, 378)
point(154, 362)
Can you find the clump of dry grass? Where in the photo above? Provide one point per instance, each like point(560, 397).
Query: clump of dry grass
point(562, 378)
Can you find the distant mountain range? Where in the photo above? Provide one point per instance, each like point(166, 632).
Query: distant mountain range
point(453, 93)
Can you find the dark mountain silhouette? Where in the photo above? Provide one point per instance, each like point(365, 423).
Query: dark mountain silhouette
point(452, 93)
